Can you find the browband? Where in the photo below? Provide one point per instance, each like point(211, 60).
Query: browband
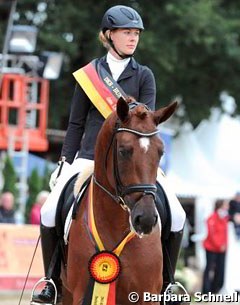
point(139, 133)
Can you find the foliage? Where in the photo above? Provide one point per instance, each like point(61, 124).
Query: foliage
point(46, 179)
point(9, 177)
point(191, 45)
point(35, 183)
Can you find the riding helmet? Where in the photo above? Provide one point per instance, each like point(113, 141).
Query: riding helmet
point(121, 16)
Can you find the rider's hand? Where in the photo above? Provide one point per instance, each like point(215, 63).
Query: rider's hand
point(55, 174)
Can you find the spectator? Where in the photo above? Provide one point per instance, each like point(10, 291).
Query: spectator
point(35, 211)
point(7, 213)
point(234, 213)
point(215, 245)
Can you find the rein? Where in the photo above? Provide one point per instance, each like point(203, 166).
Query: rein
point(121, 190)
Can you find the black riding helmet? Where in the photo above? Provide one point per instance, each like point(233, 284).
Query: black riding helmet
point(121, 16)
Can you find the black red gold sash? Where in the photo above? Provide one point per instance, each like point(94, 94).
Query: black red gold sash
point(100, 87)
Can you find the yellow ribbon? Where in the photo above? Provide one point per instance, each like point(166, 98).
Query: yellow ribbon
point(100, 295)
point(96, 236)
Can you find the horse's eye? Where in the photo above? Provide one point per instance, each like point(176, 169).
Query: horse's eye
point(125, 152)
point(161, 153)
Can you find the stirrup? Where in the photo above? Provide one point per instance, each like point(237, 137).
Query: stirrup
point(176, 285)
point(46, 280)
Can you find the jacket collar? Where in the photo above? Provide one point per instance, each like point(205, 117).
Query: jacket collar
point(128, 72)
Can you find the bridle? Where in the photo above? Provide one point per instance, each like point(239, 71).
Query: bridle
point(122, 190)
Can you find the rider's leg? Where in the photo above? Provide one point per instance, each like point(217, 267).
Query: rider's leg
point(49, 237)
point(49, 242)
point(173, 244)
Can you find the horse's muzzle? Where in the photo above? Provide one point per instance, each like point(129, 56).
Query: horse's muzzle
point(144, 216)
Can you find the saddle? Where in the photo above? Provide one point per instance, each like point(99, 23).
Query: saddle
point(164, 211)
point(64, 205)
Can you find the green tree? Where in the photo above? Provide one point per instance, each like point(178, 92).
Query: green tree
point(9, 177)
point(194, 51)
point(191, 45)
point(46, 178)
point(34, 187)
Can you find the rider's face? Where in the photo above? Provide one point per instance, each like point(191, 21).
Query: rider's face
point(125, 40)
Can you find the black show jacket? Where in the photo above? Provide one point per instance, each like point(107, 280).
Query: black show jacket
point(85, 120)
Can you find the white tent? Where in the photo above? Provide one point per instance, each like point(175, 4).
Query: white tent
point(219, 136)
point(232, 275)
point(204, 164)
point(191, 174)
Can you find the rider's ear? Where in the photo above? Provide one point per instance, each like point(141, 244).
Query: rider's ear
point(122, 109)
point(162, 114)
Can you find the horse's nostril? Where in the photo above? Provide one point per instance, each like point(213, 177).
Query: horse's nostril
point(137, 220)
point(156, 220)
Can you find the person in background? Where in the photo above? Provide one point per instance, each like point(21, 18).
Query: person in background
point(215, 246)
point(234, 213)
point(34, 218)
point(7, 213)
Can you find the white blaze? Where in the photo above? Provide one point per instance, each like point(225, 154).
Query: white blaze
point(144, 143)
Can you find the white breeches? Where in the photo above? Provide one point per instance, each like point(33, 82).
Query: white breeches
point(48, 211)
point(85, 168)
point(177, 212)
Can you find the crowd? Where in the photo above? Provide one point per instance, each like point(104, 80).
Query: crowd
point(7, 213)
point(7, 208)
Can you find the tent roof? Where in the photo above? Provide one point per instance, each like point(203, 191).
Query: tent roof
point(219, 137)
point(191, 174)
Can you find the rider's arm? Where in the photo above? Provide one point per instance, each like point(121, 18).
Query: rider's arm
point(147, 90)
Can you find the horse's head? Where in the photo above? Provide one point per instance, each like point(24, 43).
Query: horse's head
point(127, 156)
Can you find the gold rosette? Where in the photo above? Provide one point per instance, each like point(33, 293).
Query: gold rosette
point(104, 267)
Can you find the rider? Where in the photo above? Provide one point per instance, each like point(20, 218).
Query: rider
point(121, 28)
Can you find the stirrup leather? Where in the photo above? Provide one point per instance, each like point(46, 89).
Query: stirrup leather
point(46, 280)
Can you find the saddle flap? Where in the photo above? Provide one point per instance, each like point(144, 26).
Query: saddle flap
point(163, 209)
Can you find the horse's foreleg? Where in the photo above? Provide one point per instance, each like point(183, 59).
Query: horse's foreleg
point(67, 298)
point(77, 296)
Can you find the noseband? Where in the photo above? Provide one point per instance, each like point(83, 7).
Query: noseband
point(121, 190)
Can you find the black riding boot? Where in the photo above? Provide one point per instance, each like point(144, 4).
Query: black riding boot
point(49, 241)
point(170, 255)
point(171, 250)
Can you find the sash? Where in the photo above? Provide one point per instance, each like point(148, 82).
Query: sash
point(100, 87)
point(104, 266)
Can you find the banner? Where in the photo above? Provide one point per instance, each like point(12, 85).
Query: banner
point(17, 245)
point(167, 136)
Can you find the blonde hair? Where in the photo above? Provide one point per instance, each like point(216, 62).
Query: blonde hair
point(104, 39)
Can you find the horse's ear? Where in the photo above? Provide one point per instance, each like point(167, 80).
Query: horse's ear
point(162, 114)
point(122, 109)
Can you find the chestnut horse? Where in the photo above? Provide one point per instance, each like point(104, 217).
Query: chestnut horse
point(127, 155)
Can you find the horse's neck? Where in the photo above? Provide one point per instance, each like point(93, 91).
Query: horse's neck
point(111, 220)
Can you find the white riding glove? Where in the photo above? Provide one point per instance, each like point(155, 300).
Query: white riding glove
point(55, 174)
